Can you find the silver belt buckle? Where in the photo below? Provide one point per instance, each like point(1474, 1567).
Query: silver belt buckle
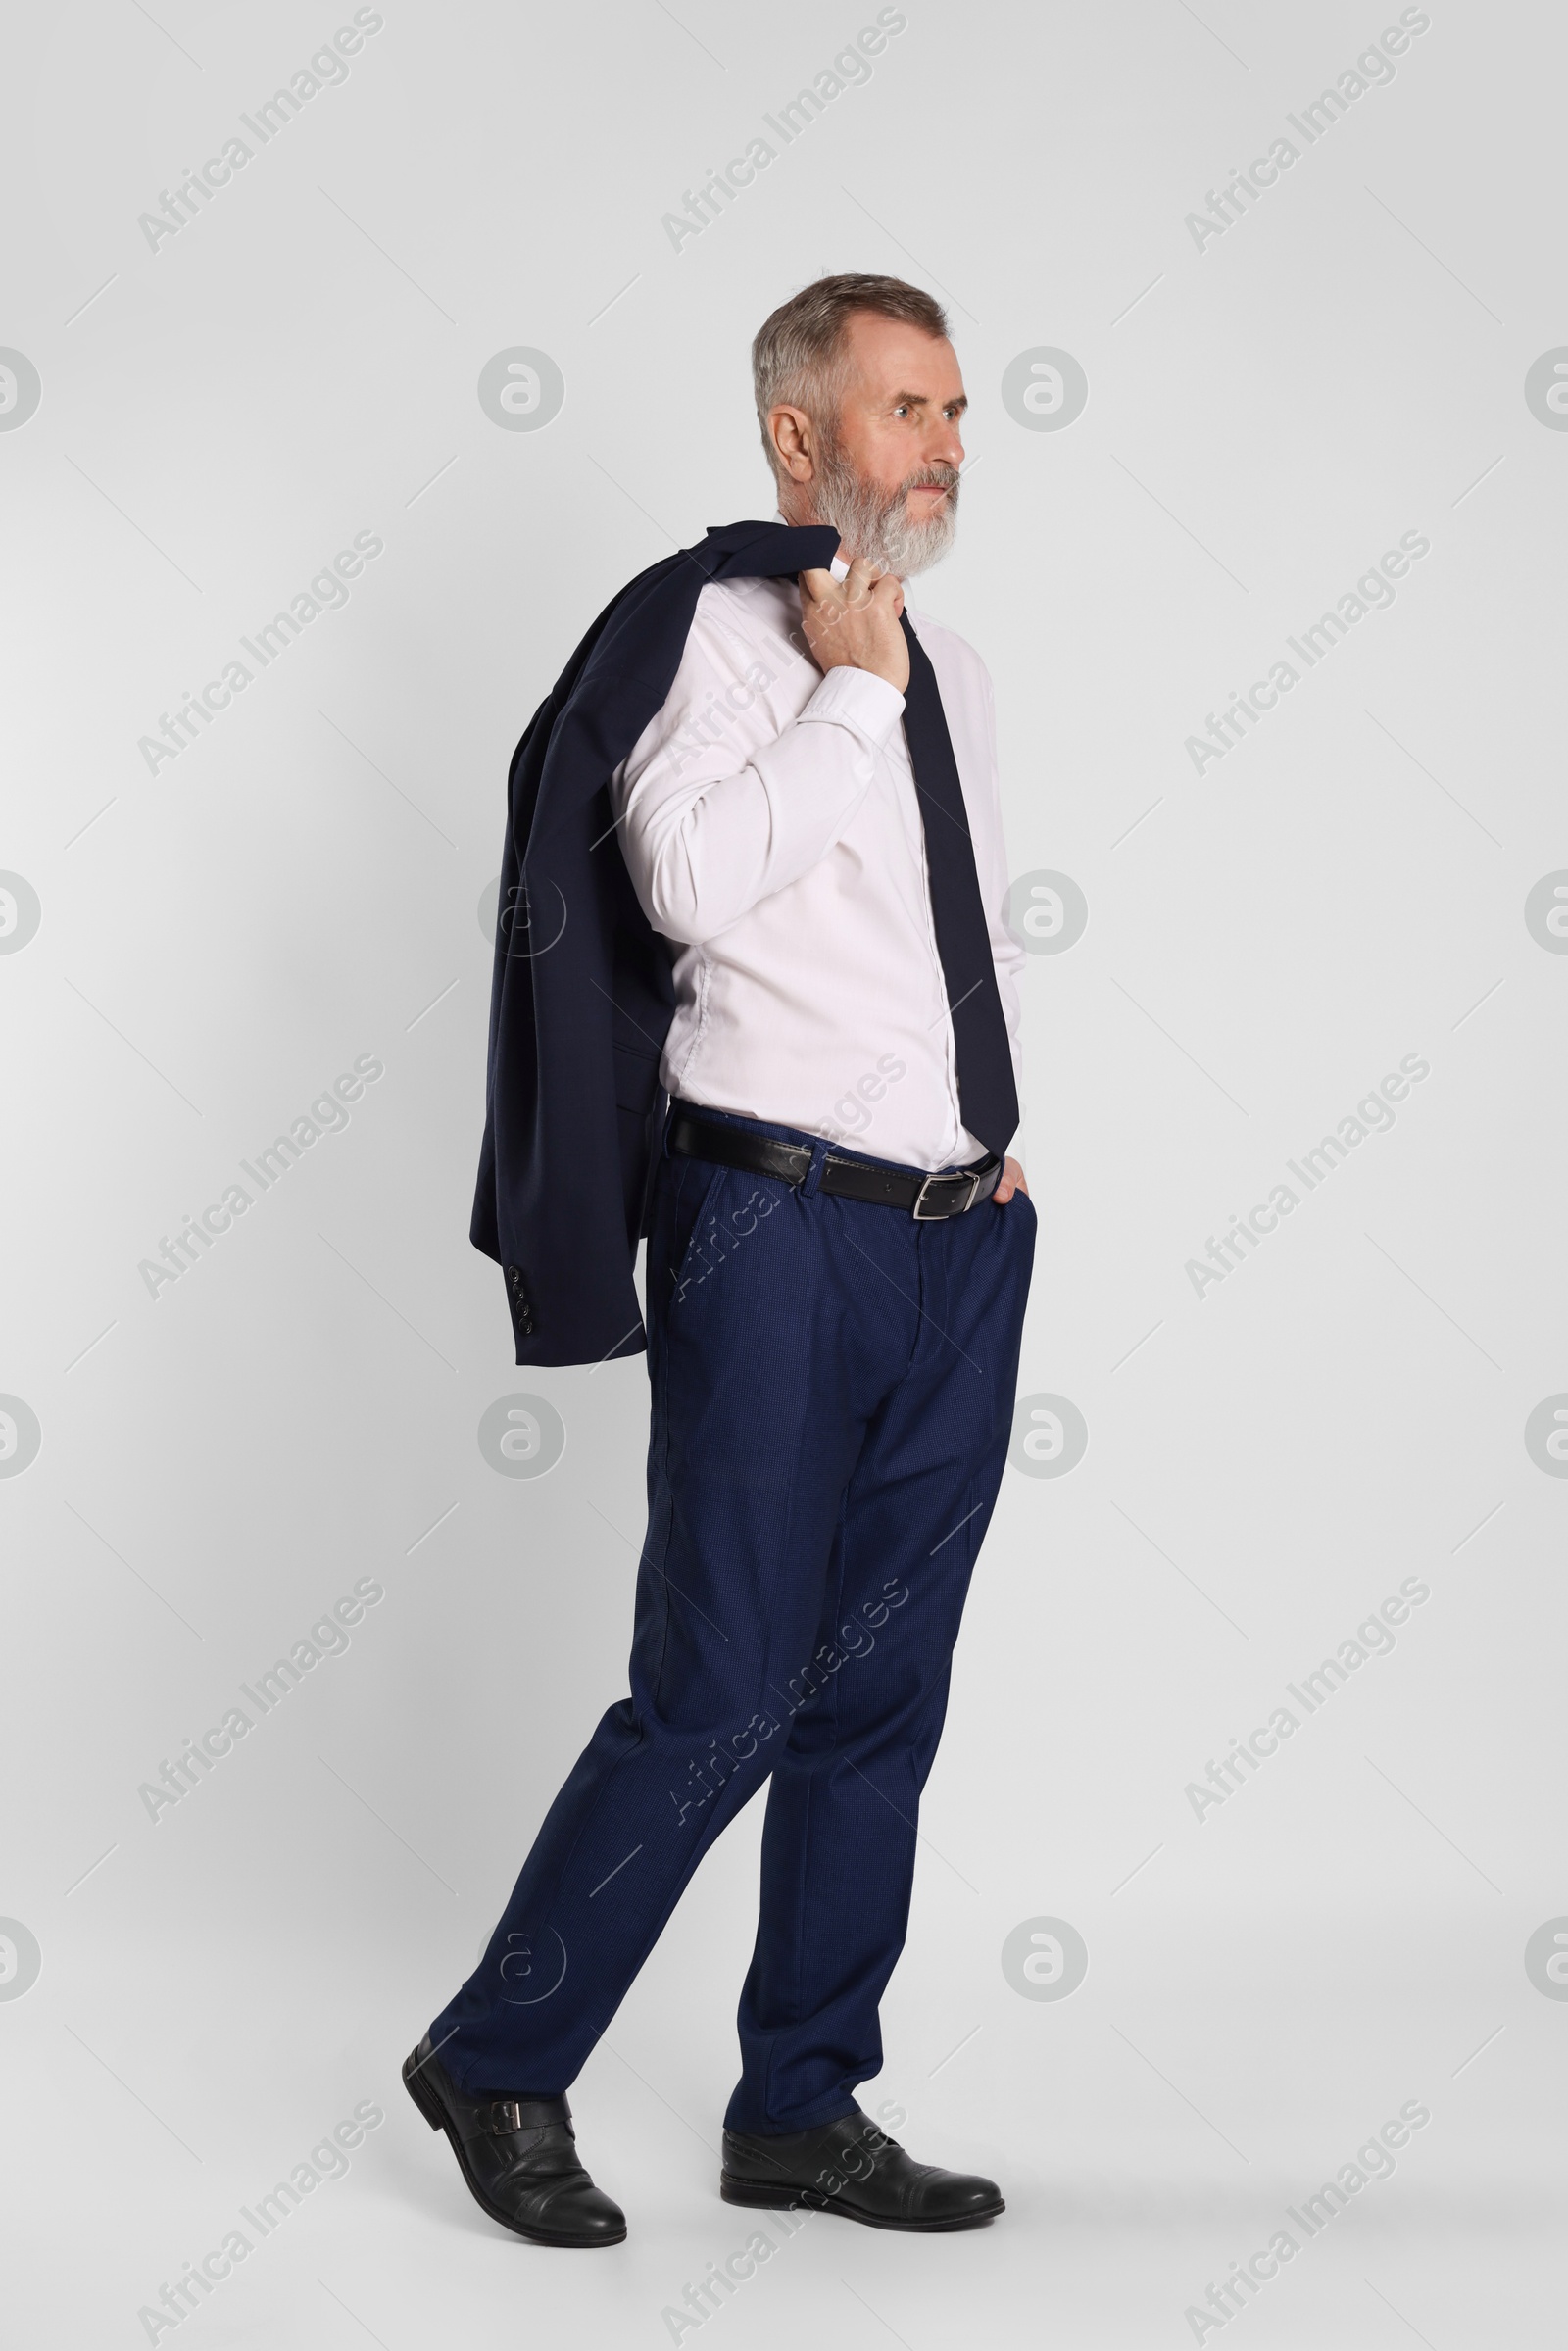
point(974, 1186)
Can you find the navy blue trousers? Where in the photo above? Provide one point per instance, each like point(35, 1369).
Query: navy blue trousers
point(832, 1389)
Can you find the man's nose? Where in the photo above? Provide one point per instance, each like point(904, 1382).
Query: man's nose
point(944, 445)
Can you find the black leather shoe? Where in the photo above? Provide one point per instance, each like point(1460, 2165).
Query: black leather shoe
point(851, 2167)
point(518, 2157)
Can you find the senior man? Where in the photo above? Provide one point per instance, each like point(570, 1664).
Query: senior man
point(759, 1002)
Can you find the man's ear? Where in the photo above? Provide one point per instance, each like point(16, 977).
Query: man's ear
point(789, 430)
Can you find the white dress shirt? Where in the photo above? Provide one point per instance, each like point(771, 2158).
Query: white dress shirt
point(771, 826)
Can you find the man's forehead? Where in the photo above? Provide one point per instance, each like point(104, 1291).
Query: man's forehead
point(892, 357)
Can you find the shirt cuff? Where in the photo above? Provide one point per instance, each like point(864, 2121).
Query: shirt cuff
point(859, 699)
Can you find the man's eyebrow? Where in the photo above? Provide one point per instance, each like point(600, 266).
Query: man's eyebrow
point(923, 400)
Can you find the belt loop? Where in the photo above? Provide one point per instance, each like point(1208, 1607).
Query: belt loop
point(810, 1182)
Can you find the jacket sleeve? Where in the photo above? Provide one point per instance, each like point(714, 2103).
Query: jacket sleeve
point(708, 828)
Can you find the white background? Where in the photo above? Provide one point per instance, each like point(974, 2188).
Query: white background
point(302, 886)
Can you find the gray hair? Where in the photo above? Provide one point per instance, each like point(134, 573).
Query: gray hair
point(798, 355)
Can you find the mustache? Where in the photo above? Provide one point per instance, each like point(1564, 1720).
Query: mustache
point(933, 477)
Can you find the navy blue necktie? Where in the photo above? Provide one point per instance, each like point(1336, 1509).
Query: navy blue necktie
point(987, 1096)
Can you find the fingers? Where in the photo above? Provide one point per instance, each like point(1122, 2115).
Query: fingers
point(1012, 1180)
point(855, 622)
point(858, 584)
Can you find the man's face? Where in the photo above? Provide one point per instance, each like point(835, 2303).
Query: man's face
point(885, 472)
point(897, 421)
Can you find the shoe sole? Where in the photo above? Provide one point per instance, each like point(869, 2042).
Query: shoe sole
point(758, 2196)
point(435, 2114)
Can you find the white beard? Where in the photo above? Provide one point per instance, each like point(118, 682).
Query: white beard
point(875, 523)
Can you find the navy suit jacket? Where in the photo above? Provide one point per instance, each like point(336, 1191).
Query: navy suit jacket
point(582, 992)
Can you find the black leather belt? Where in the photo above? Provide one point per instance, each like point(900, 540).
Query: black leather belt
point(927, 1197)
